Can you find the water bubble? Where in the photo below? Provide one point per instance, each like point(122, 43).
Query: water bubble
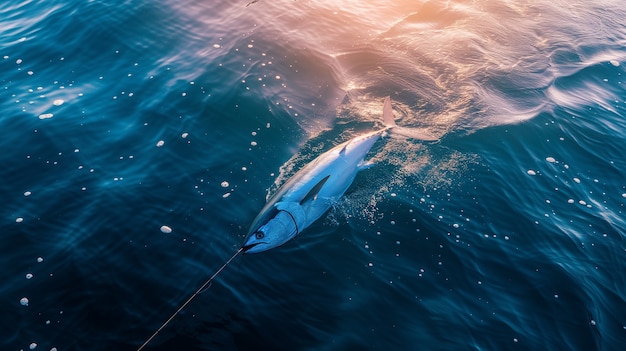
point(40, 259)
point(531, 172)
point(224, 184)
point(24, 301)
point(46, 116)
point(19, 220)
point(570, 201)
point(165, 229)
point(577, 180)
point(58, 102)
point(185, 135)
point(32, 346)
point(614, 63)
point(27, 193)
point(29, 275)
point(226, 195)
point(550, 159)
point(160, 143)
point(254, 143)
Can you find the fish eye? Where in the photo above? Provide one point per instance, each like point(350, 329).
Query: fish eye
point(259, 235)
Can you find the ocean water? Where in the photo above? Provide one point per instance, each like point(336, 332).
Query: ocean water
point(121, 117)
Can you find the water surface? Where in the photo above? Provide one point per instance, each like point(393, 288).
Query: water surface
point(120, 118)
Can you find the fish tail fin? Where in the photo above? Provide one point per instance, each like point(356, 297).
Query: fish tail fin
point(388, 118)
point(390, 123)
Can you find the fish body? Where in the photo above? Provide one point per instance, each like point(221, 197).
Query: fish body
point(313, 190)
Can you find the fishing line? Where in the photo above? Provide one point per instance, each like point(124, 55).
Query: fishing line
point(191, 298)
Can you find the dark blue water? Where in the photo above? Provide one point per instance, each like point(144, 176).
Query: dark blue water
point(119, 118)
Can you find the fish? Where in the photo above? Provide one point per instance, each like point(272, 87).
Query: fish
point(314, 189)
point(307, 196)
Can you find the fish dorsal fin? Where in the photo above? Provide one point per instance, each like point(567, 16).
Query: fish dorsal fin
point(312, 194)
point(388, 119)
point(343, 150)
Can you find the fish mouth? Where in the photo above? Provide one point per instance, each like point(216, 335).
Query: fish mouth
point(245, 248)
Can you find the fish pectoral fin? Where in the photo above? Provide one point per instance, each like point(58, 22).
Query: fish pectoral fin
point(312, 194)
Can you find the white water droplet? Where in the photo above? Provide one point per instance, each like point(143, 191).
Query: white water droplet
point(531, 172)
point(185, 135)
point(32, 346)
point(224, 184)
point(29, 276)
point(27, 193)
point(46, 116)
point(614, 63)
point(550, 159)
point(19, 220)
point(58, 102)
point(40, 259)
point(160, 143)
point(24, 301)
point(226, 195)
point(165, 229)
point(576, 180)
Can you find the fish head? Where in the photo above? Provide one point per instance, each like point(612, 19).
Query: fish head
point(279, 229)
